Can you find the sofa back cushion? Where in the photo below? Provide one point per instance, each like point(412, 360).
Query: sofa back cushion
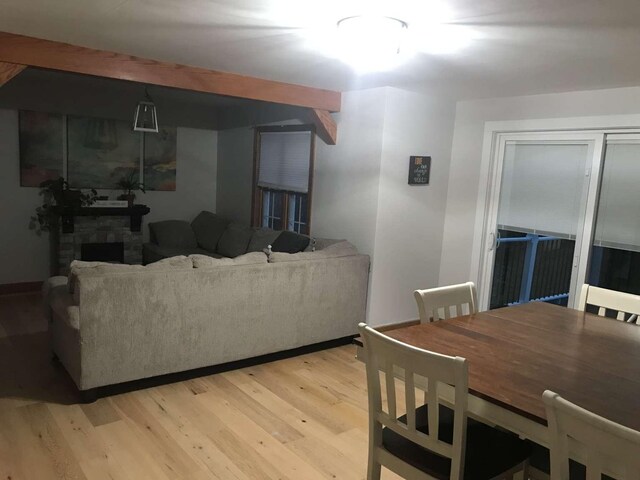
point(172, 233)
point(204, 261)
point(261, 239)
point(208, 228)
point(77, 267)
point(234, 241)
point(340, 249)
point(290, 242)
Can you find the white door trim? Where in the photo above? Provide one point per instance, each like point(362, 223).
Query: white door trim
point(489, 170)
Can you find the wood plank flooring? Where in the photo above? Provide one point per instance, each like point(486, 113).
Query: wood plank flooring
point(303, 418)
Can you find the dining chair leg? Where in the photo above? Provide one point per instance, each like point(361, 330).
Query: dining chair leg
point(373, 470)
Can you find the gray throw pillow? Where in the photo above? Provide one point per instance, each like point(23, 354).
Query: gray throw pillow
point(208, 228)
point(290, 242)
point(234, 240)
point(261, 239)
point(173, 233)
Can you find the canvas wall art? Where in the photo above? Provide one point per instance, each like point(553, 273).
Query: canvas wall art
point(160, 159)
point(41, 147)
point(100, 152)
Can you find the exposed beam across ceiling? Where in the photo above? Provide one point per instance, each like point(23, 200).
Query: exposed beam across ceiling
point(35, 52)
point(9, 70)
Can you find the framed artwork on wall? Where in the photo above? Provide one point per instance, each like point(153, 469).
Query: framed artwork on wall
point(41, 147)
point(100, 152)
point(160, 159)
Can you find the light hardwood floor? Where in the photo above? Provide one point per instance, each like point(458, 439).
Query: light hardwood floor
point(302, 418)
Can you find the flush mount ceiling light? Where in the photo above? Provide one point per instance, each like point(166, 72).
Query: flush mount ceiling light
point(145, 118)
point(371, 42)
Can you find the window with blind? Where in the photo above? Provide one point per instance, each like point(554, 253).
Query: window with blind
point(283, 173)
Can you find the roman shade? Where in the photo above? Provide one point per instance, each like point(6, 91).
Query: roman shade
point(618, 217)
point(284, 161)
point(543, 188)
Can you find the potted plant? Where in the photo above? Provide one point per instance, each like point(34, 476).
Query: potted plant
point(56, 193)
point(128, 185)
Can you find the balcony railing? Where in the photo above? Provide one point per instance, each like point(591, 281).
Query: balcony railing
point(531, 268)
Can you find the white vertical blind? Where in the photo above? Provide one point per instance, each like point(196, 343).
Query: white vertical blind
point(543, 188)
point(618, 217)
point(284, 161)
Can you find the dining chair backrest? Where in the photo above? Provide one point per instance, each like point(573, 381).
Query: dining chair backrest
point(626, 305)
point(603, 442)
point(383, 353)
point(437, 303)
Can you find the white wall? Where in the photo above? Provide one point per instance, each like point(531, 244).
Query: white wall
point(464, 178)
point(347, 175)
point(361, 192)
point(410, 218)
point(25, 257)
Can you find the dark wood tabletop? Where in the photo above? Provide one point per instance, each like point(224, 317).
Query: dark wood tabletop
point(515, 353)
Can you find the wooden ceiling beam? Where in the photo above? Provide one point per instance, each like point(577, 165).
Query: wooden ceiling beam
point(326, 126)
point(9, 70)
point(29, 51)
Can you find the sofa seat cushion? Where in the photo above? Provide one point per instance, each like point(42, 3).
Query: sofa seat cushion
point(208, 228)
point(290, 242)
point(234, 240)
point(173, 233)
point(261, 239)
point(340, 249)
point(252, 258)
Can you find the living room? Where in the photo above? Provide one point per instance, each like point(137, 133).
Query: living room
point(524, 71)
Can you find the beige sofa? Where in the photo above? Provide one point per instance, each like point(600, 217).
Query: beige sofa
point(123, 323)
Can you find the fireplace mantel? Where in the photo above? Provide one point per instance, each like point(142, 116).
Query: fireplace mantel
point(67, 215)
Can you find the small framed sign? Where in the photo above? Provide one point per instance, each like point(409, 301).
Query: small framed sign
point(419, 170)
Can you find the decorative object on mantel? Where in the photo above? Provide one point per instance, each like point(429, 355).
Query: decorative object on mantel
point(128, 185)
point(145, 118)
point(160, 160)
point(41, 139)
point(419, 170)
point(56, 193)
point(101, 163)
point(110, 204)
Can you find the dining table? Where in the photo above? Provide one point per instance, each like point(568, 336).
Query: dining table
point(515, 353)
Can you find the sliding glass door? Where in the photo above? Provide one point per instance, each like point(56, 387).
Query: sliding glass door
point(541, 210)
point(615, 253)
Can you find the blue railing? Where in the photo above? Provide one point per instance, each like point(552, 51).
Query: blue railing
point(532, 268)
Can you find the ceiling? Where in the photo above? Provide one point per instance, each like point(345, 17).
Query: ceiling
point(466, 48)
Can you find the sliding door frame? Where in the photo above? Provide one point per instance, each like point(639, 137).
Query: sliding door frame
point(592, 129)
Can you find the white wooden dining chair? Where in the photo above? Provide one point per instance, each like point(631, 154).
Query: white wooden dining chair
point(432, 440)
point(626, 305)
point(601, 440)
point(437, 303)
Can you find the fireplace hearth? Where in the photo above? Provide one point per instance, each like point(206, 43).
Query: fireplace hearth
point(102, 252)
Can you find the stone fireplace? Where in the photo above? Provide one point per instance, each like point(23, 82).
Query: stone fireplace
point(97, 234)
